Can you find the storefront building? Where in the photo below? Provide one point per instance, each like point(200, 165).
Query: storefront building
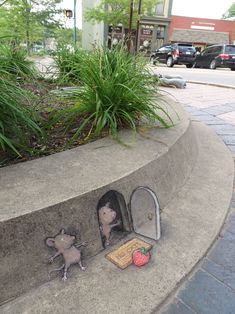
point(153, 30)
point(201, 32)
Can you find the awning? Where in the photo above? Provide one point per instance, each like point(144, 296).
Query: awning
point(196, 36)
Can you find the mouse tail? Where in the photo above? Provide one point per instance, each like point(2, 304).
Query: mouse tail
point(57, 269)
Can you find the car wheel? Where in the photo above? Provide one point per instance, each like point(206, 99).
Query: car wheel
point(213, 65)
point(169, 62)
point(232, 69)
point(189, 66)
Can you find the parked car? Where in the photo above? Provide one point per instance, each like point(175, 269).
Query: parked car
point(216, 56)
point(172, 54)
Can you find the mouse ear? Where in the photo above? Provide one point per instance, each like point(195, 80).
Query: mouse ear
point(50, 242)
point(62, 231)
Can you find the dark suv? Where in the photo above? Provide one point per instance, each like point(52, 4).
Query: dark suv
point(216, 56)
point(175, 54)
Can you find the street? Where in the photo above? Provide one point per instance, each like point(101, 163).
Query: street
point(218, 76)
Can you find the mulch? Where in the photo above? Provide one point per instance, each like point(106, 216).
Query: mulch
point(59, 137)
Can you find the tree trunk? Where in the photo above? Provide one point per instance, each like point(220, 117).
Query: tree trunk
point(27, 4)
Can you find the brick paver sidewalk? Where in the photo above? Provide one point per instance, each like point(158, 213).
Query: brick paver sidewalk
point(211, 287)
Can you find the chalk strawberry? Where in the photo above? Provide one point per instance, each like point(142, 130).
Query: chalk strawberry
point(140, 257)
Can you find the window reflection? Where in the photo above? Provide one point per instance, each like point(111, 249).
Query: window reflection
point(160, 7)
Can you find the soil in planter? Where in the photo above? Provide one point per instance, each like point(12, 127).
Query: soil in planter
point(58, 138)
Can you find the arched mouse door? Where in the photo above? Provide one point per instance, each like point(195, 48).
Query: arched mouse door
point(145, 213)
point(113, 202)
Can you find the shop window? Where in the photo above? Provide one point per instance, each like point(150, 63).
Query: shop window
point(160, 31)
point(146, 32)
point(160, 8)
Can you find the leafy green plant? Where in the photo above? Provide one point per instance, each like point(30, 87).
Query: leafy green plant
point(17, 120)
point(117, 92)
point(13, 61)
point(68, 62)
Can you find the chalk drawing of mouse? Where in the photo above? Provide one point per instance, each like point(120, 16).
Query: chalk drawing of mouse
point(64, 244)
point(106, 216)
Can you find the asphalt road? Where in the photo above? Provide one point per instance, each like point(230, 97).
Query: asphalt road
point(217, 76)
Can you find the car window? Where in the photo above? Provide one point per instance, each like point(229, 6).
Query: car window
point(230, 49)
point(164, 48)
point(210, 50)
point(204, 52)
point(216, 49)
point(184, 47)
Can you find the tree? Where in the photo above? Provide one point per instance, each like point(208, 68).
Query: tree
point(29, 20)
point(230, 12)
point(3, 2)
point(118, 12)
point(64, 36)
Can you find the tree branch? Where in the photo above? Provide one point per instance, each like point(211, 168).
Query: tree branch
point(1, 4)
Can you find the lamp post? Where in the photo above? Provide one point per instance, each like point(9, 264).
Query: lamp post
point(69, 14)
point(130, 27)
point(138, 27)
point(74, 22)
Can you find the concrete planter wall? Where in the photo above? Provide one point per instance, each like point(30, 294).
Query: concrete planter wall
point(40, 197)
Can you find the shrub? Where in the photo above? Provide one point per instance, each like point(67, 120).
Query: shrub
point(13, 60)
point(117, 91)
point(17, 120)
point(68, 61)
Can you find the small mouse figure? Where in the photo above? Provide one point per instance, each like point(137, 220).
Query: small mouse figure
point(106, 216)
point(64, 244)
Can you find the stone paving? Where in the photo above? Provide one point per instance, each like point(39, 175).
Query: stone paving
point(215, 106)
point(210, 289)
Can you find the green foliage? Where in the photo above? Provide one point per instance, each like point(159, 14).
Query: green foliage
point(17, 120)
point(65, 37)
point(118, 12)
point(13, 60)
point(29, 21)
point(230, 12)
point(68, 61)
point(117, 92)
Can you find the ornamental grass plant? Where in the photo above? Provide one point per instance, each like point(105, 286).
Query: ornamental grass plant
point(117, 92)
point(68, 62)
point(98, 93)
point(14, 61)
point(17, 120)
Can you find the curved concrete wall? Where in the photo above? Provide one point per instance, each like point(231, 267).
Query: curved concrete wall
point(40, 197)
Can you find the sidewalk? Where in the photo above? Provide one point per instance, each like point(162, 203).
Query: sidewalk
point(191, 220)
point(210, 288)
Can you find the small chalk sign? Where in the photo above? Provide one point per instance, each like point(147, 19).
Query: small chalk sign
point(122, 257)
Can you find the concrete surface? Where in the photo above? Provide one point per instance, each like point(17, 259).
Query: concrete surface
point(69, 173)
point(40, 197)
point(190, 222)
point(210, 288)
point(206, 76)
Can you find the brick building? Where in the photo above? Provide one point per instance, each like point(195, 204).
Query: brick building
point(200, 31)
